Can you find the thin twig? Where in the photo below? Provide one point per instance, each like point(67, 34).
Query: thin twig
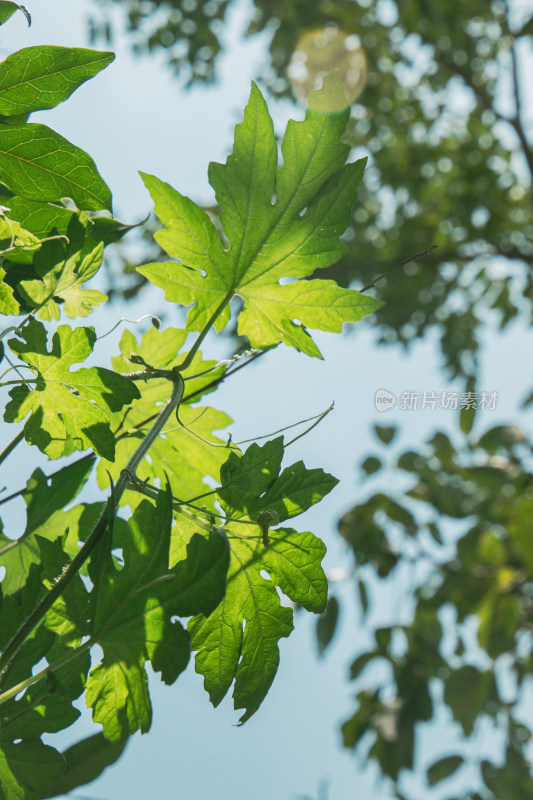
point(398, 268)
point(267, 458)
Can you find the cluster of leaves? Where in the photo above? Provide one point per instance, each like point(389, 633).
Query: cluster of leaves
point(442, 151)
point(461, 536)
point(450, 164)
point(84, 576)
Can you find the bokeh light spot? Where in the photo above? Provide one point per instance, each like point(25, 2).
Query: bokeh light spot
point(324, 51)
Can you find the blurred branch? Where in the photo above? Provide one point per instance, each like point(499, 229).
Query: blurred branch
point(517, 121)
point(398, 268)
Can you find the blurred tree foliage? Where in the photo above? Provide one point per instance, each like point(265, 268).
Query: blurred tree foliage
point(442, 118)
point(459, 544)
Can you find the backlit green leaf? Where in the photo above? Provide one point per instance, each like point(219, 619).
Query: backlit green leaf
point(188, 451)
point(39, 164)
point(239, 640)
point(65, 282)
point(280, 222)
point(41, 77)
point(133, 612)
point(64, 403)
point(8, 8)
point(8, 304)
point(44, 500)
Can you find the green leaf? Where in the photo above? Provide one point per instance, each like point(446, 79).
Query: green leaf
point(269, 241)
point(253, 483)
point(512, 780)
point(27, 769)
point(42, 77)
point(8, 304)
point(8, 8)
point(361, 662)
point(66, 283)
point(109, 230)
point(44, 498)
point(85, 761)
point(188, 451)
point(371, 465)
point(326, 625)
point(291, 561)
point(39, 164)
point(65, 403)
point(385, 433)
point(13, 237)
point(442, 769)
point(363, 596)
point(133, 610)
point(467, 691)
point(68, 615)
point(42, 219)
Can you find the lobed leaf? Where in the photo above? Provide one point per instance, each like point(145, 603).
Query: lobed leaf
point(133, 610)
point(280, 222)
point(8, 303)
point(45, 499)
point(188, 451)
point(239, 640)
point(66, 405)
point(65, 282)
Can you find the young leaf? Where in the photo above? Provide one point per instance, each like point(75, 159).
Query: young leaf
point(292, 561)
point(39, 164)
point(132, 611)
point(41, 77)
point(65, 403)
point(280, 223)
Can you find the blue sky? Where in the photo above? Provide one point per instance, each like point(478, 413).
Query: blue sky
point(134, 117)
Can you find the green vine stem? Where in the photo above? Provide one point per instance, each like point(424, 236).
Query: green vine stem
point(11, 446)
point(98, 531)
point(25, 684)
point(139, 425)
point(205, 330)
